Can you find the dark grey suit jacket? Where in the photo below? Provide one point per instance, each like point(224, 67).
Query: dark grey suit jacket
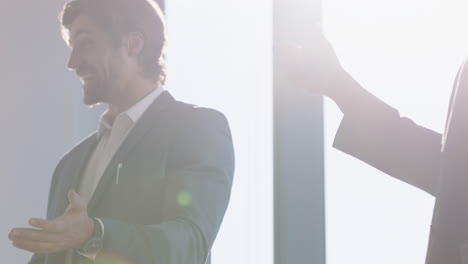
point(376, 134)
point(173, 190)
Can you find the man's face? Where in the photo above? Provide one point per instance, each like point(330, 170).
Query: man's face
point(96, 61)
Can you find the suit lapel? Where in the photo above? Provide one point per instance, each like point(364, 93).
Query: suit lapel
point(74, 172)
point(147, 121)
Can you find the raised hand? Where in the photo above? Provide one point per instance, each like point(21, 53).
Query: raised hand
point(314, 67)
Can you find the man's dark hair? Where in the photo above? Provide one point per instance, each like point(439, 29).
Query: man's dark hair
point(119, 17)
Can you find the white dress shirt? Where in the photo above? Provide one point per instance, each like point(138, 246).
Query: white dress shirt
point(110, 138)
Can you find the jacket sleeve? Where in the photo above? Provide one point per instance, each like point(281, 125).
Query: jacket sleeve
point(199, 180)
point(374, 132)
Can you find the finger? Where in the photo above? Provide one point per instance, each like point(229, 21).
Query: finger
point(76, 202)
point(55, 226)
point(36, 247)
point(30, 234)
point(71, 197)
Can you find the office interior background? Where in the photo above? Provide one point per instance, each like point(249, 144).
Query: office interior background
point(295, 199)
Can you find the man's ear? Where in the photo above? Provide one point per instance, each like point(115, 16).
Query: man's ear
point(133, 43)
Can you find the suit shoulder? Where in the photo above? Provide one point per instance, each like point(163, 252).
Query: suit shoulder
point(85, 142)
point(189, 112)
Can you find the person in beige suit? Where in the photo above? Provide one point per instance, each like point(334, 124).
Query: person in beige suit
point(375, 133)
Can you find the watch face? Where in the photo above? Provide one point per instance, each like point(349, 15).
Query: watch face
point(93, 246)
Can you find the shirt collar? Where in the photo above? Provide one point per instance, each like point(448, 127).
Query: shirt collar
point(137, 110)
point(133, 113)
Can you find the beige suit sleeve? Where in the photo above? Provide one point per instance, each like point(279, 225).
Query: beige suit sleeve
point(374, 132)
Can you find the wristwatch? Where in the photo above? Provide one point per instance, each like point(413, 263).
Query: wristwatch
point(94, 245)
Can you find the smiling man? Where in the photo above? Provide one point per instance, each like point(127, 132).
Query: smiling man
point(152, 184)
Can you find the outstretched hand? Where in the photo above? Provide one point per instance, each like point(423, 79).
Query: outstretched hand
point(71, 230)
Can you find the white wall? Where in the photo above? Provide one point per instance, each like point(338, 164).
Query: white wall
point(41, 114)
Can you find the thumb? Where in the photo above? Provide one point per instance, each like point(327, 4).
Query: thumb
point(75, 200)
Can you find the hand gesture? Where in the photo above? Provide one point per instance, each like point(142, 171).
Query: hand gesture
point(71, 230)
point(314, 67)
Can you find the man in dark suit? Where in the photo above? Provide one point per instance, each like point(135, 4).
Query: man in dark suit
point(374, 132)
point(152, 184)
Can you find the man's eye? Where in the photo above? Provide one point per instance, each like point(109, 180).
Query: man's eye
point(85, 45)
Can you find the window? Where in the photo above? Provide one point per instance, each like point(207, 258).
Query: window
point(220, 56)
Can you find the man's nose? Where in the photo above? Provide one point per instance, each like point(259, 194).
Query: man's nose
point(73, 61)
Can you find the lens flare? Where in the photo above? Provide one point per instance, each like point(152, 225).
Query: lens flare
point(184, 198)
